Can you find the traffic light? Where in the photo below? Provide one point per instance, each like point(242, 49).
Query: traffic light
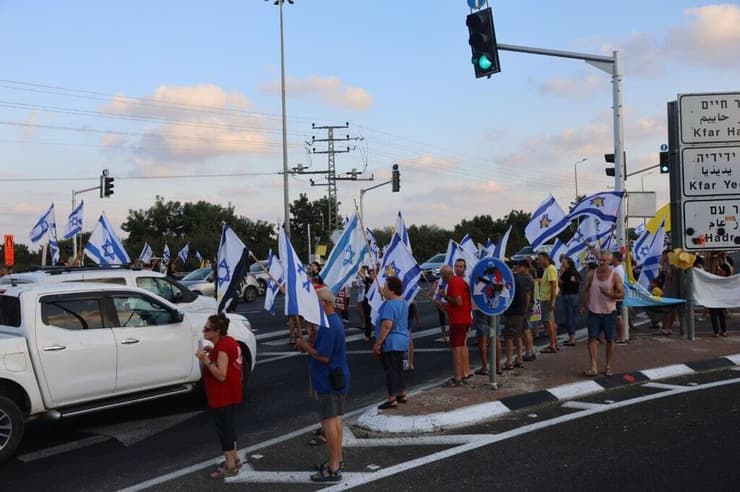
point(396, 179)
point(610, 170)
point(665, 162)
point(106, 186)
point(483, 43)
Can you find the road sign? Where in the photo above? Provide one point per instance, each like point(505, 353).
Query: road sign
point(711, 224)
point(663, 147)
point(710, 171)
point(709, 118)
point(492, 286)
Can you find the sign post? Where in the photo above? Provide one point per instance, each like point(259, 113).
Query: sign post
point(492, 287)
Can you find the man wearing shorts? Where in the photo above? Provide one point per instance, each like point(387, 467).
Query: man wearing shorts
point(603, 289)
point(548, 293)
point(328, 353)
point(459, 311)
point(514, 315)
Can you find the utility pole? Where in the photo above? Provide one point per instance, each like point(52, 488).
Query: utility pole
point(331, 173)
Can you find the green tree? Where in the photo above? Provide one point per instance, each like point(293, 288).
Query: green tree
point(305, 213)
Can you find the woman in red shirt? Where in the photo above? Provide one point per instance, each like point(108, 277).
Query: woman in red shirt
point(222, 375)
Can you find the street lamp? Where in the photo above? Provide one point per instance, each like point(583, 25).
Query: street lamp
point(286, 204)
point(575, 173)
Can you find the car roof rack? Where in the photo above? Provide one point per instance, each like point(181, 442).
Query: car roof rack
point(58, 269)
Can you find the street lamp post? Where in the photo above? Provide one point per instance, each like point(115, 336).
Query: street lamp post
point(286, 204)
point(575, 173)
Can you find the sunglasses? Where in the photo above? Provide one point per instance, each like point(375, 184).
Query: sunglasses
point(206, 329)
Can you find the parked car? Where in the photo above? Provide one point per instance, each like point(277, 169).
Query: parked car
point(430, 268)
point(202, 281)
point(525, 252)
point(76, 348)
point(258, 270)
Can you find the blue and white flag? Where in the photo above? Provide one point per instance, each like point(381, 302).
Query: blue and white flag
point(104, 247)
point(603, 206)
point(231, 266)
point(637, 296)
point(42, 226)
point(484, 251)
point(641, 247)
point(456, 252)
point(300, 296)
point(166, 254)
point(183, 254)
point(402, 232)
point(548, 221)
point(589, 234)
point(397, 262)
point(373, 253)
point(276, 271)
point(500, 249)
point(651, 261)
point(54, 245)
point(74, 222)
point(346, 257)
point(346, 221)
point(640, 229)
point(198, 256)
point(468, 245)
point(146, 253)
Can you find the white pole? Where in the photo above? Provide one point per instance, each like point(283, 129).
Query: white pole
point(309, 242)
point(286, 204)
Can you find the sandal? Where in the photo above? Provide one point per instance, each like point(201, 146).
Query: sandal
point(570, 344)
point(325, 474)
point(482, 371)
point(608, 372)
point(508, 367)
point(499, 372)
point(723, 334)
point(222, 465)
point(549, 350)
point(387, 405)
point(317, 441)
point(590, 373)
point(518, 365)
point(221, 473)
point(452, 382)
point(402, 399)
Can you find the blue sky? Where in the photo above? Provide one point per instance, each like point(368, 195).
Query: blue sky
point(179, 88)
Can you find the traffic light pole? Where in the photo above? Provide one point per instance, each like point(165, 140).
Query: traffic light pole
point(365, 190)
point(74, 205)
point(610, 65)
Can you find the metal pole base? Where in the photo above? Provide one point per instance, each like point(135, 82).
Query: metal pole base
point(494, 386)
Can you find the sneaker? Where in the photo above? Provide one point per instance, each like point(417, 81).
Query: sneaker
point(529, 357)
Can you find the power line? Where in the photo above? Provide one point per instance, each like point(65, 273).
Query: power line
point(122, 178)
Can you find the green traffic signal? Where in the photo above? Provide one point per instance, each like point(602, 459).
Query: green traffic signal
point(664, 169)
point(484, 62)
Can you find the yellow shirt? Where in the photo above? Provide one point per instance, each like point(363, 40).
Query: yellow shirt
point(549, 275)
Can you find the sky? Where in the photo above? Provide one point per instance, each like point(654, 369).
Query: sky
point(153, 91)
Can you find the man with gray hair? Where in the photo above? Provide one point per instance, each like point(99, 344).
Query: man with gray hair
point(330, 380)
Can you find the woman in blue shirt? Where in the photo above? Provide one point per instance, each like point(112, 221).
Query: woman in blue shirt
point(392, 340)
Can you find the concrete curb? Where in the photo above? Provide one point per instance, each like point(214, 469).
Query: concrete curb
point(374, 421)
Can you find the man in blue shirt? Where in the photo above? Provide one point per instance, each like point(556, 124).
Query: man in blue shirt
point(327, 355)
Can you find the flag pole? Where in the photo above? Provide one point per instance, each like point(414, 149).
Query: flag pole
point(367, 243)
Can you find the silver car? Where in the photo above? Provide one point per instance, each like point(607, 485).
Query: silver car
point(202, 281)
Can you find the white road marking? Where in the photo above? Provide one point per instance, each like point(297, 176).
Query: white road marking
point(62, 448)
point(575, 390)
point(473, 441)
point(581, 405)
point(653, 384)
point(668, 371)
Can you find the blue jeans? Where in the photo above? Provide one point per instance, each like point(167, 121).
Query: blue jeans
point(606, 323)
point(570, 304)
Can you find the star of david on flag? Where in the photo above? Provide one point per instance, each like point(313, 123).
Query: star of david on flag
point(603, 205)
point(104, 247)
point(547, 221)
point(166, 254)
point(146, 253)
point(41, 228)
point(346, 257)
point(275, 267)
point(651, 261)
point(299, 300)
point(231, 266)
point(74, 222)
point(183, 254)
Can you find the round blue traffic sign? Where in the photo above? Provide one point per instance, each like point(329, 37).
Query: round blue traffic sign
point(492, 286)
point(663, 147)
point(477, 4)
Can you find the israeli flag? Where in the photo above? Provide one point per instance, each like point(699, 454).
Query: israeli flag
point(54, 245)
point(104, 247)
point(231, 266)
point(548, 221)
point(397, 262)
point(651, 261)
point(402, 232)
point(603, 206)
point(146, 253)
point(198, 256)
point(641, 247)
point(183, 254)
point(300, 296)
point(500, 250)
point(468, 245)
point(346, 257)
point(42, 226)
point(374, 252)
point(589, 233)
point(74, 222)
point(166, 254)
point(640, 229)
point(456, 252)
point(276, 271)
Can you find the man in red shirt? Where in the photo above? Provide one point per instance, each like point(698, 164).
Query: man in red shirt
point(459, 311)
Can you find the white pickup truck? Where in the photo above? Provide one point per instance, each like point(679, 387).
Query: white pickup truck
point(73, 348)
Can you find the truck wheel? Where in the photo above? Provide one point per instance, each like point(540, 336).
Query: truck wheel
point(250, 293)
point(11, 428)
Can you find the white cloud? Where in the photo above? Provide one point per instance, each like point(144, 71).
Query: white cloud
point(190, 123)
point(429, 161)
point(712, 36)
point(572, 87)
point(330, 91)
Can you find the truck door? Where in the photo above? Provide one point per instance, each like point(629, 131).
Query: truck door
point(154, 347)
point(77, 351)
